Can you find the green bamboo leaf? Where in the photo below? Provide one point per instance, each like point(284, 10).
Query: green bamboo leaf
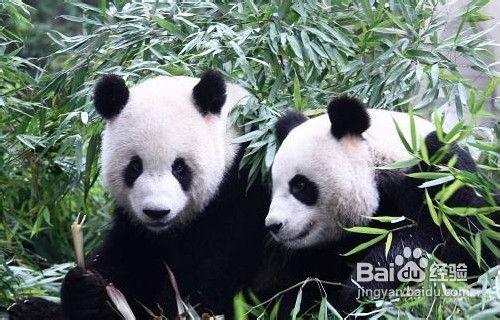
point(273, 315)
point(470, 211)
point(424, 152)
point(389, 31)
point(452, 162)
point(495, 235)
point(438, 122)
point(366, 230)
point(390, 219)
point(323, 311)
point(437, 182)
point(413, 130)
point(454, 132)
point(296, 308)
point(240, 306)
point(365, 245)
point(434, 215)
point(450, 228)
point(485, 95)
point(90, 162)
point(448, 191)
point(484, 147)
point(297, 98)
point(294, 44)
point(429, 175)
point(477, 248)
point(402, 137)
point(388, 243)
point(439, 155)
point(400, 164)
point(484, 219)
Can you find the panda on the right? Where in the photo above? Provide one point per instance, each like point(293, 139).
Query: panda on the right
point(326, 177)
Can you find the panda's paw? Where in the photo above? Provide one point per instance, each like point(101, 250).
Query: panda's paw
point(83, 296)
point(34, 308)
point(346, 299)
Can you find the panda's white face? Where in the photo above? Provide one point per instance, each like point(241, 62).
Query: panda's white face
point(163, 159)
point(318, 182)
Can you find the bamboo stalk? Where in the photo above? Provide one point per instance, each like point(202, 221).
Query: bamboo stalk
point(77, 233)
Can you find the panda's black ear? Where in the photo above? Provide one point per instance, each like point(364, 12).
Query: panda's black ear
point(348, 116)
point(210, 93)
point(110, 96)
point(286, 123)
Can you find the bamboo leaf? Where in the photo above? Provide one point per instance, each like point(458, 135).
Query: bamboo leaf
point(400, 164)
point(450, 228)
point(388, 243)
point(429, 175)
point(437, 182)
point(296, 308)
point(435, 217)
point(402, 137)
point(296, 93)
point(366, 230)
point(365, 245)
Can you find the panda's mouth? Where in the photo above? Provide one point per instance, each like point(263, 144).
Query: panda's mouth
point(303, 234)
point(157, 225)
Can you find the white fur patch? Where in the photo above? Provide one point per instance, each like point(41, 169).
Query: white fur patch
point(344, 171)
point(160, 123)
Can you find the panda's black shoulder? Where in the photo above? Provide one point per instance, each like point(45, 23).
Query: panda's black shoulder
point(400, 192)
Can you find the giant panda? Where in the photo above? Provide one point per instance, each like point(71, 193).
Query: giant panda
point(326, 177)
point(170, 164)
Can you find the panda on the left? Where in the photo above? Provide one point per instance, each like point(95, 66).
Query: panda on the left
point(169, 162)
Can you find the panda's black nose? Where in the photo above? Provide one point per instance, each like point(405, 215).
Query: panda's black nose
point(275, 227)
point(156, 214)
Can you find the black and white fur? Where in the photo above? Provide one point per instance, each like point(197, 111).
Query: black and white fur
point(170, 164)
point(325, 178)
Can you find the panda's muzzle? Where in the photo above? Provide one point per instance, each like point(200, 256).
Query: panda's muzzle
point(156, 214)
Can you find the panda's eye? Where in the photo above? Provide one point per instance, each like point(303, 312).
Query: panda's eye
point(133, 171)
point(179, 166)
point(299, 186)
point(182, 172)
point(136, 165)
point(303, 189)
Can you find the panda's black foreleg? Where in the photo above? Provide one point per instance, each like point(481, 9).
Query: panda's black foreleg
point(83, 296)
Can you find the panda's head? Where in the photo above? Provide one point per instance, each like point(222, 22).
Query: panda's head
point(322, 175)
point(166, 145)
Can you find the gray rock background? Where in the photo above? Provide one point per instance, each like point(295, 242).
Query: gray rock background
point(480, 80)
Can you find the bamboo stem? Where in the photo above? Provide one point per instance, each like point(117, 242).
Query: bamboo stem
point(77, 233)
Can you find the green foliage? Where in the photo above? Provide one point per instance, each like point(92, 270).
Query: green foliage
point(44, 178)
point(18, 281)
point(288, 54)
point(442, 300)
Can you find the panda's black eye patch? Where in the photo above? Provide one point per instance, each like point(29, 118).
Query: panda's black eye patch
point(182, 172)
point(133, 171)
point(303, 189)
